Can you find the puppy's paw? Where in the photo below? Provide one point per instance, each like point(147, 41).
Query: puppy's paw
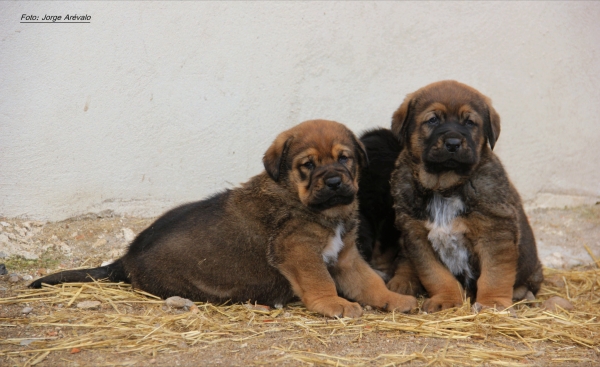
point(398, 302)
point(492, 303)
point(403, 285)
point(441, 302)
point(336, 307)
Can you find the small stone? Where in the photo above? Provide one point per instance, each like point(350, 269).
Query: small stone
point(555, 303)
point(128, 234)
point(99, 243)
point(12, 236)
point(178, 302)
point(4, 224)
point(26, 342)
point(368, 308)
point(75, 350)
point(89, 305)
point(27, 225)
point(13, 278)
point(3, 270)
point(42, 271)
point(27, 277)
point(26, 310)
point(194, 309)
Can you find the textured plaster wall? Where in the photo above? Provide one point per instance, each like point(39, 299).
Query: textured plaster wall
point(153, 104)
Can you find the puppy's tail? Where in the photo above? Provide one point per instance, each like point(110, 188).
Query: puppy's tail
point(114, 272)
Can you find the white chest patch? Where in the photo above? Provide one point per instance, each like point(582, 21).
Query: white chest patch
point(446, 239)
point(331, 251)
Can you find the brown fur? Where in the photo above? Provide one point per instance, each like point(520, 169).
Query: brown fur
point(266, 241)
point(448, 131)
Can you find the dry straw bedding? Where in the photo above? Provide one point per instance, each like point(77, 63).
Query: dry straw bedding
point(136, 323)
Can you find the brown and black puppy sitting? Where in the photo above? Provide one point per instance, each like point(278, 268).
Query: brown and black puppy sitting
point(289, 231)
point(460, 216)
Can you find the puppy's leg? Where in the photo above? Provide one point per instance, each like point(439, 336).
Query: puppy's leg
point(443, 288)
point(405, 279)
point(498, 273)
point(311, 281)
point(359, 281)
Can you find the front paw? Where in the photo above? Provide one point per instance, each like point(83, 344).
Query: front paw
point(442, 302)
point(498, 304)
point(398, 302)
point(335, 307)
point(403, 285)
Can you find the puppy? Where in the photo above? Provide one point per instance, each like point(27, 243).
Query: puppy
point(379, 241)
point(460, 216)
point(288, 232)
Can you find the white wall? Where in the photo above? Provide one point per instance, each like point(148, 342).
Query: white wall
point(153, 104)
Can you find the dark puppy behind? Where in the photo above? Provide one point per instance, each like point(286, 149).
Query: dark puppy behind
point(379, 241)
point(288, 232)
point(377, 232)
point(460, 216)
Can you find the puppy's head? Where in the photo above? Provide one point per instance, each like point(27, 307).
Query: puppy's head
point(445, 126)
point(319, 161)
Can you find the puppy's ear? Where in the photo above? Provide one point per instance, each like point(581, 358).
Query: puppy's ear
point(491, 127)
point(401, 119)
point(360, 152)
point(275, 157)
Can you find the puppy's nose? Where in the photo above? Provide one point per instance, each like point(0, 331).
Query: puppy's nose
point(333, 182)
point(452, 144)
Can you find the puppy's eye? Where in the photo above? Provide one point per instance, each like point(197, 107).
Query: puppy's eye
point(342, 159)
point(433, 121)
point(470, 123)
point(309, 165)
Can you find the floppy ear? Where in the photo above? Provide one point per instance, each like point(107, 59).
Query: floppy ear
point(400, 120)
point(275, 157)
point(491, 128)
point(360, 152)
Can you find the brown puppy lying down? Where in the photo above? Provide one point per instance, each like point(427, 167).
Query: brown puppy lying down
point(288, 232)
point(461, 220)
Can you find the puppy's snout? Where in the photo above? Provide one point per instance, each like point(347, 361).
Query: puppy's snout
point(333, 182)
point(452, 144)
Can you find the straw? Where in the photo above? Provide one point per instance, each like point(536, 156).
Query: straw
point(131, 321)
